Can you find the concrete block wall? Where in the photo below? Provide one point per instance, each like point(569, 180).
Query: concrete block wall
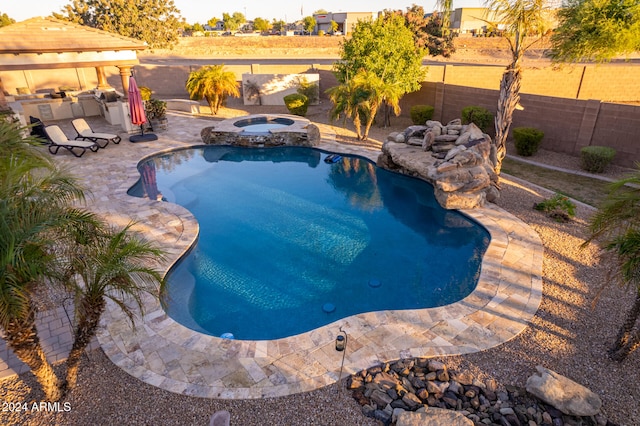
point(615, 82)
point(618, 126)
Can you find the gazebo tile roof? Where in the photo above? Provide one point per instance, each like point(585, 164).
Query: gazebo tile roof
point(40, 35)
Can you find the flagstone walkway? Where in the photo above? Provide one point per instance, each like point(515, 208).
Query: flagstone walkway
point(163, 353)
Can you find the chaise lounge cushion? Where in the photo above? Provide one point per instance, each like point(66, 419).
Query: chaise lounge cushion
point(85, 132)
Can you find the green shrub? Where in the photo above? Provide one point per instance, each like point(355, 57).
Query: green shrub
point(320, 33)
point(477, 115)
point(559, 207)
point(420, 114)
point(596, 158)
point(527, 140)
point(309, 89)
point(297, 104)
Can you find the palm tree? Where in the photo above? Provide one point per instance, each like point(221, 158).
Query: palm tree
point(350, 102)
point(520, 18)
point(378, 93)
point(616, 226)
point(106, 264)
point(35, 207)
point(361, 97)
point(214, 84)
point(445, 7)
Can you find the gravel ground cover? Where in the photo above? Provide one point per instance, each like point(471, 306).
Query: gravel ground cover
point(570, 335)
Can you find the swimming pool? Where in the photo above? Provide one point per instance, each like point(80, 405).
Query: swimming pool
point(289, 243)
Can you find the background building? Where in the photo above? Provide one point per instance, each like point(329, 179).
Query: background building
point(345, 20)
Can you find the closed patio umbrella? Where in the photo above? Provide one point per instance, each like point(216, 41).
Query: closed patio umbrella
point(136, 111)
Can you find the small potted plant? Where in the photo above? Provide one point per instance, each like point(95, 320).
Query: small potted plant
point(156, 111)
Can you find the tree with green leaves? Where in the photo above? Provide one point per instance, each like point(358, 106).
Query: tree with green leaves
point(213, 22)
point(36, 206)
point(106, 263)
point(262, 25)
point(524, 24)
point(233, 22)
point(385, 48)
point(214, 84)
point(278, 25)
point(616, 227)
point(596, 30)
point(6, 20)
point(155, 22)
point(309, 24)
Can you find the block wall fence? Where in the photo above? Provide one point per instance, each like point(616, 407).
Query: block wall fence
point(574, 105)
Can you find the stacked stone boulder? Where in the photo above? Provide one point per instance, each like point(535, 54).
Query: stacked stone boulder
point(459, 161)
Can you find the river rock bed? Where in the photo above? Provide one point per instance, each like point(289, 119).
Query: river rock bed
point(413, 385)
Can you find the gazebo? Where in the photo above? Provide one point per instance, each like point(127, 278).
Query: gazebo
point(40, 57)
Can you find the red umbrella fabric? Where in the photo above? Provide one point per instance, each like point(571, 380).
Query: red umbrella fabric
point(136, 107)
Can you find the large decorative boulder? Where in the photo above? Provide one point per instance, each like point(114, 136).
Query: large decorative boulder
point(562, 393)
point(433, 417)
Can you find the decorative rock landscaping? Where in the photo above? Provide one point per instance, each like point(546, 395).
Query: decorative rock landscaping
point(423, 391)
point(457, 159)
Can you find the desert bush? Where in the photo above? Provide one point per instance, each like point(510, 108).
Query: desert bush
point(527, 140)
point(297, 104)
point(595, 159)
point(477, 115)
point(421, 113)
point(559, 207)
point(321, 33)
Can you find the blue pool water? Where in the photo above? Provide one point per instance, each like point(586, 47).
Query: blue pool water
point(289, 243)
point(263, 124)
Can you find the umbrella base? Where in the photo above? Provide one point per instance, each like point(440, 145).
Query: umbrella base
point(143, 138)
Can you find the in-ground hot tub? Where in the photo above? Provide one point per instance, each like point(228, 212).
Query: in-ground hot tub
point(263, 130)
point(263, 124)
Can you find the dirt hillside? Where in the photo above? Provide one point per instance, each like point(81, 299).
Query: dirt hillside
point(468, 49)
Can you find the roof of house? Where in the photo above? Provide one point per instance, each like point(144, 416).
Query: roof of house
point(51, 35)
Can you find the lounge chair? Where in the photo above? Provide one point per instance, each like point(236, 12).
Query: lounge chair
point(85, 132)
point(59, 140)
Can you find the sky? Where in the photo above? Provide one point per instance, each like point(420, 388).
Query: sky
point(202, 10)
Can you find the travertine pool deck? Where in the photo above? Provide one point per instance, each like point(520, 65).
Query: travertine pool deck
point(163, 353)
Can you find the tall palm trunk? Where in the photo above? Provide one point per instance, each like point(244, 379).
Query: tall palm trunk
point(87, 324)
point(357, 123)
point(509, 98)
point(627, 341)
point(21, 336)
point(370, 119)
